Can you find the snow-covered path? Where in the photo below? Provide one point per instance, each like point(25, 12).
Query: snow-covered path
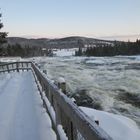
point(22, 116)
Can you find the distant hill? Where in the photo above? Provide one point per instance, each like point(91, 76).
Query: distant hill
point(68, 42)
point(41, 42)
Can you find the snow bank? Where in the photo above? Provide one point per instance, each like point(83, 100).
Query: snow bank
point(64, 52)
point(117, 126)
point(10, 59)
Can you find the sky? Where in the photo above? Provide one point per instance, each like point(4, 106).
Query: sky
point(107, 19)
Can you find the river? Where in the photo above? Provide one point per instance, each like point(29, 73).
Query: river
point(113, 83)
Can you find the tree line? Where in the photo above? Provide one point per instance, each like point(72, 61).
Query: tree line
point(24, 51)
point(119, 48)
point(19, 50)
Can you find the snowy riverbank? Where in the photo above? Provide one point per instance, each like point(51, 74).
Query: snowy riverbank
point(117, 126)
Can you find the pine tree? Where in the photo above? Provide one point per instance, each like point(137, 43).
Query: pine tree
point(3, 35)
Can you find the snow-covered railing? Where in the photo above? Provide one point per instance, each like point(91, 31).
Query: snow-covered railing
point(63, 111)
point(76, 124)
point(15, 66)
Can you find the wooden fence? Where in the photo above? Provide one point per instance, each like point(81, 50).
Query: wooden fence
point(15, 66)
point(76, 124)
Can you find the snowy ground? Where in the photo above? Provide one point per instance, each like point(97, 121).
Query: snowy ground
point(10, 59)
point(22, 116)
point(65, 52)
point(106, 78)
point(117, 126)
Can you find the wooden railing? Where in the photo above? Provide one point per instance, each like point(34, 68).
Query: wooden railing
point(15, 66)
point(76, 124)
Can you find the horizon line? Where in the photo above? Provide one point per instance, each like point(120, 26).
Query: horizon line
point(131, 37)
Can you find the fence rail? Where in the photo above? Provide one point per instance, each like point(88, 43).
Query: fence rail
point(75, 123)
point(15, 66)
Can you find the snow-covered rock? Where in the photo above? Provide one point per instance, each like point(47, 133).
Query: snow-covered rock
point(117, 126)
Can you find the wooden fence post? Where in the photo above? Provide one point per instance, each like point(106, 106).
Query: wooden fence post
point(44, 71)
point(62, 84)
point(17, 66)
point(3, 68)
point(27, 65)
point(8, 68)
point(22, 66)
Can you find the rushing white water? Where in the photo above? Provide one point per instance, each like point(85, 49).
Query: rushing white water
point(112, 82)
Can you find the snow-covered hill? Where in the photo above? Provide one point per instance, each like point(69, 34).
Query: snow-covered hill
point(68, 42)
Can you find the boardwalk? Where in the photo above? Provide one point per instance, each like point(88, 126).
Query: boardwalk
point(22, 116)
point(26, 94)
point(24, 91)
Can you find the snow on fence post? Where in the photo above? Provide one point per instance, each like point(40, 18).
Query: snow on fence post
point(62, 84)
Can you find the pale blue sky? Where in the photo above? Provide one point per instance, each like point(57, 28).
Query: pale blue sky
point(60, 18)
